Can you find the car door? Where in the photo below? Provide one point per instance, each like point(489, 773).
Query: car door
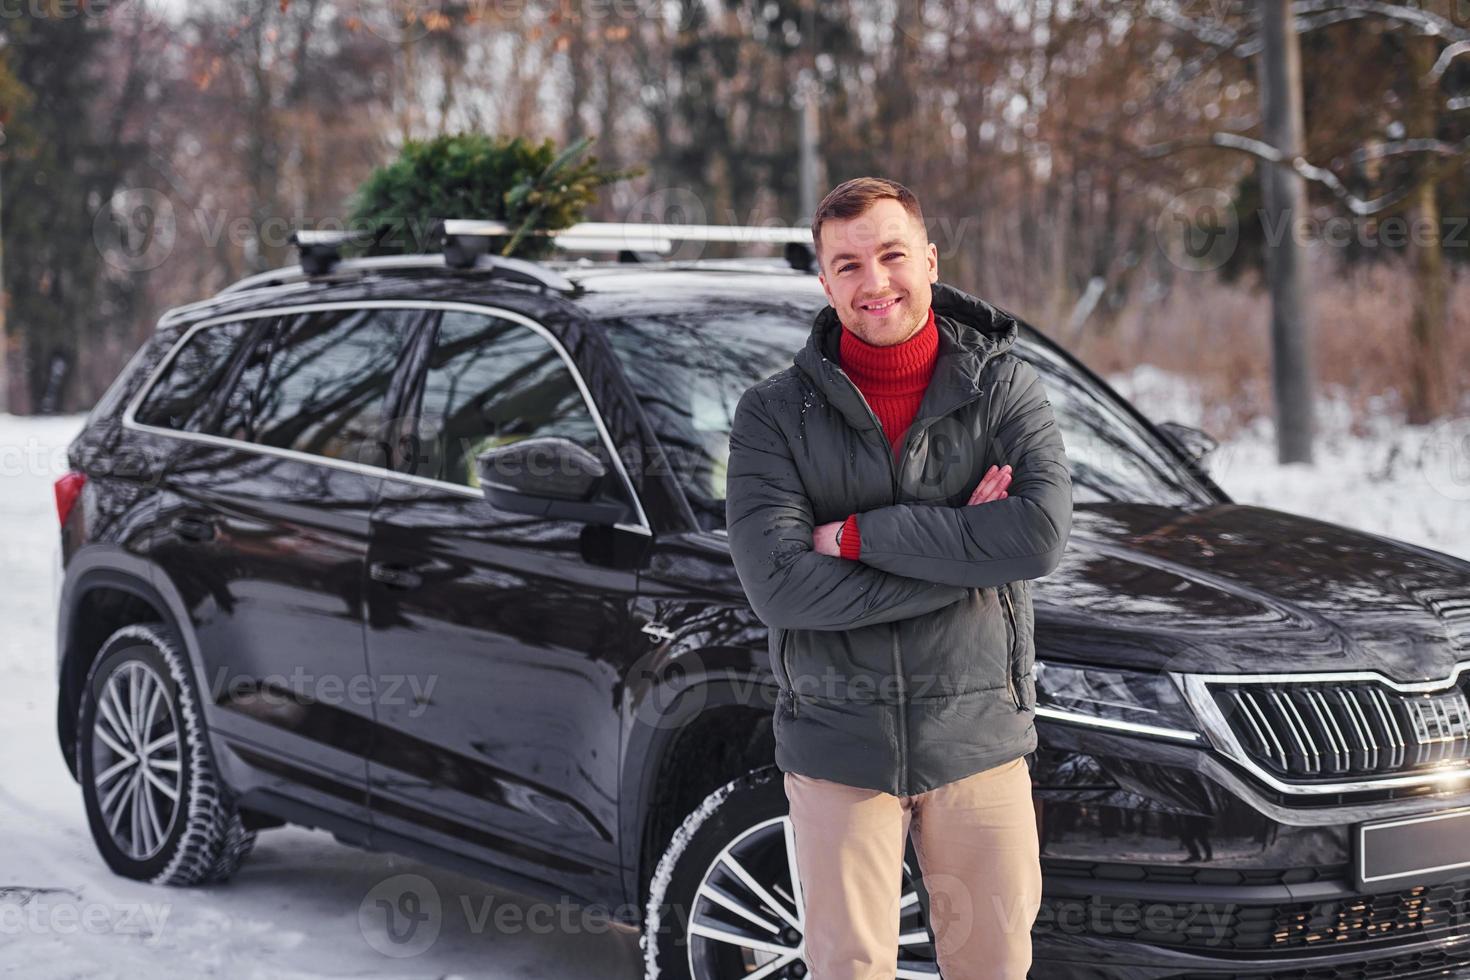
point(495, 638)
point(263, 534)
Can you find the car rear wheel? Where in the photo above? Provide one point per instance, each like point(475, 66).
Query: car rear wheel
point(156, 806)
point(724, 901)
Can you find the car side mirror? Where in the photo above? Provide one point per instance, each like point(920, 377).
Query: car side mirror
point(547, 476)
point(1194, 443)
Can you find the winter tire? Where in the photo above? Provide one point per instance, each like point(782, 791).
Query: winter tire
point(157, 808)
point(722, 900)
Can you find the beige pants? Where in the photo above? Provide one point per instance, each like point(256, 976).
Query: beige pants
point(978, 854)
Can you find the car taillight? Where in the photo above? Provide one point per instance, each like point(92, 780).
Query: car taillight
point(68, 488)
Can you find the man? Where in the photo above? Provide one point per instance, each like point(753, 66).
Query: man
point(888, 496)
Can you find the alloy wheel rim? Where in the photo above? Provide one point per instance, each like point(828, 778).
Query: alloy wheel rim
point(137, 767)
point(747, 913)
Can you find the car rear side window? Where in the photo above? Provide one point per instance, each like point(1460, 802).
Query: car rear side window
point(181, 397)
point(490, 382)
point(318, 383)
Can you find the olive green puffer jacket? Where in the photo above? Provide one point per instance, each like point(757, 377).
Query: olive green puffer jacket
point(911, 667)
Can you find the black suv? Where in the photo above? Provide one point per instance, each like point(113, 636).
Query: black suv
point(429, 552)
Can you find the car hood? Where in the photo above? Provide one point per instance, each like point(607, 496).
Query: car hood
point(1229, 588)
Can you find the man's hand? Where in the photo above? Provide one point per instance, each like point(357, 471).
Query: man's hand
point(824, 539)
point(992, 486)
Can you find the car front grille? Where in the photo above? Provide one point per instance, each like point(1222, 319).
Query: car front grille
point(1422, 912)
point(1346, 729)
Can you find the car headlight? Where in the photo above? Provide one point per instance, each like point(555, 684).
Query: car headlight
point(1119, 700)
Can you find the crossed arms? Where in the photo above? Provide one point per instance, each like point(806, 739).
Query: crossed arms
point(915, 558)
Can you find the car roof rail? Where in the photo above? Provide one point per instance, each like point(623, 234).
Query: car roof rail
point(633, 241)
point(466, 246)
point(321, 258)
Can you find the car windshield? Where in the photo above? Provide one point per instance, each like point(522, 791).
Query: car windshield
point(1113, 458)
point(689, 371)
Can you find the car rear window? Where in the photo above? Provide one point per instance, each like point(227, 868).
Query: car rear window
point(181, 397)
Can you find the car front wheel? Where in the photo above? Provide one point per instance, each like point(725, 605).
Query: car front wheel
point(725, 899)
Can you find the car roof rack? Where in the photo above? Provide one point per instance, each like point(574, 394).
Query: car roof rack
point(321, 250)
point(321, 258)
point(466, 246)
point(464, 238)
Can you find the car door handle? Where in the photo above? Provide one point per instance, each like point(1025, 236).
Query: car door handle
point(193, 528)
point(395, 576)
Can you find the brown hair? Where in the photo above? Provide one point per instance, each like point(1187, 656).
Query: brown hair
point(852, 197)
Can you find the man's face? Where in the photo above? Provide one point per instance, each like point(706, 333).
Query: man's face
point(876, 271)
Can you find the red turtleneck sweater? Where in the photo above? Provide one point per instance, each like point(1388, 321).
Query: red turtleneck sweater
point(893, 380)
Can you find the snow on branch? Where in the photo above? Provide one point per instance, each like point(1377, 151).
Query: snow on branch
point(1309, 171)
point(1423, 20)
point(1311, 15)
point(1450, 53)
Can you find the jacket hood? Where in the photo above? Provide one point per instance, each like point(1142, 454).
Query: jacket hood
point(971, 332)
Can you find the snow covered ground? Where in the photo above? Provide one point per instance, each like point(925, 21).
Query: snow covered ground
point(1405, 482)
point(293, 910)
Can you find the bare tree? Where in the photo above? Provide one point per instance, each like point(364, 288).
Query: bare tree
point(1431, 40)
point(1286, 202)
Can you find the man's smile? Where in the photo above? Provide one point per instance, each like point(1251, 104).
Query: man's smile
point(882, 306)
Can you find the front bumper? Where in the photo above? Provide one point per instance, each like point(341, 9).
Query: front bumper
point(1164, 860)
